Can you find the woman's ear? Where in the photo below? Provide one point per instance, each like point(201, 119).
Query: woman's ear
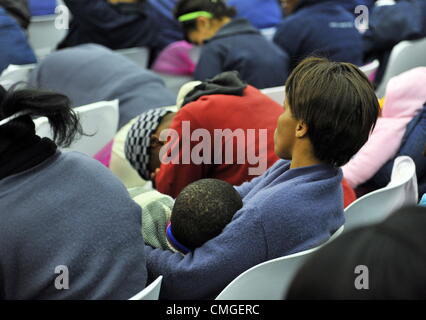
point(301, 129)
point(203, 23)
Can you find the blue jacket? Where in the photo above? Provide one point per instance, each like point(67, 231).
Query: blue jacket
point(114, 26)
point(69, 211)
point(320, 27)
point(285, 211)
point(261, 13)
point(13, 43)
point(102, 75)
point(239, 46)
point(42, 7)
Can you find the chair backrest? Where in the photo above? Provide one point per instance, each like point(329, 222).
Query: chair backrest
point(14, 74)
point(277, 94)
point(269, 280)
point(376, 206)
point(152, 292)
point(370, 69)
point(43, 34)
point(98, 120)
point(405, 56)
point(139, 55)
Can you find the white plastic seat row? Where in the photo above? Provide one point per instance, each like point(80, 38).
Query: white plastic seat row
point(98, 120)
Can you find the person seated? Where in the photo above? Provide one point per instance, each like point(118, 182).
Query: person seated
point(224, 107)
point(328, 30)
point(19, 10)
point(405, 97)
point(13, 43)
point(297, 204)
point(389, 25)
point(91, 73)
point(69, 228)
point(200, 213)
point(116, 24)
point(205, 106)
point(412, 145)
point(230, 44)
point(385, 261)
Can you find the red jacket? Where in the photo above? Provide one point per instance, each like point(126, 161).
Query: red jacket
point(252, 111)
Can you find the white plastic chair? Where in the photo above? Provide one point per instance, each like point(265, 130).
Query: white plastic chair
point(98, 120)
point(277, 94)
point(138, 55)
point(152, 292)
point(378, 205)
point(43, 35)
point(405, 56)
point(370, 69)
point(15, 73)
point(269, 280)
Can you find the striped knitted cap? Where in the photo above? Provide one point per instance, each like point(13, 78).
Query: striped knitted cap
point(138, 140)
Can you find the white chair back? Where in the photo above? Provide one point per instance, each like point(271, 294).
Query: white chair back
point(378, 205)
point(152, 292)
point(371, 69)
point(98, 120)
point(405, 56)
point(138, 55)
point(277, 94)
point(14, 74)
point(269, 280)
point(44, 36)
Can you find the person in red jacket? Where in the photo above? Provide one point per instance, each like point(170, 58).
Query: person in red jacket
point(225, 130)
point(235, 121)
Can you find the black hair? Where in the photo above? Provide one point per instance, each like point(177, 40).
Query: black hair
point(391, 257)
point(64, 122)
point(202, 210)
point(338, 104)
point(217, 8)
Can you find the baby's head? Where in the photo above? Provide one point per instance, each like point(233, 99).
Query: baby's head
point(201, 212)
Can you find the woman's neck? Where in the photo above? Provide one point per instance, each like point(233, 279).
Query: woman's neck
point(303, 158)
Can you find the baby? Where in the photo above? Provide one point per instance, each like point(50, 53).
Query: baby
point(199, 213)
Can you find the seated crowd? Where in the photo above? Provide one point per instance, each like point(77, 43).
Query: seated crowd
point(220, 177)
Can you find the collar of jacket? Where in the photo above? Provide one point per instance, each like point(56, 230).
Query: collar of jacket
point(236, 26)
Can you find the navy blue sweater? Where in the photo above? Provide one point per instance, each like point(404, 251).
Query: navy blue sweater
point(69, 210)
point(320, 27)
point(285, 211)
point(239, 46)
